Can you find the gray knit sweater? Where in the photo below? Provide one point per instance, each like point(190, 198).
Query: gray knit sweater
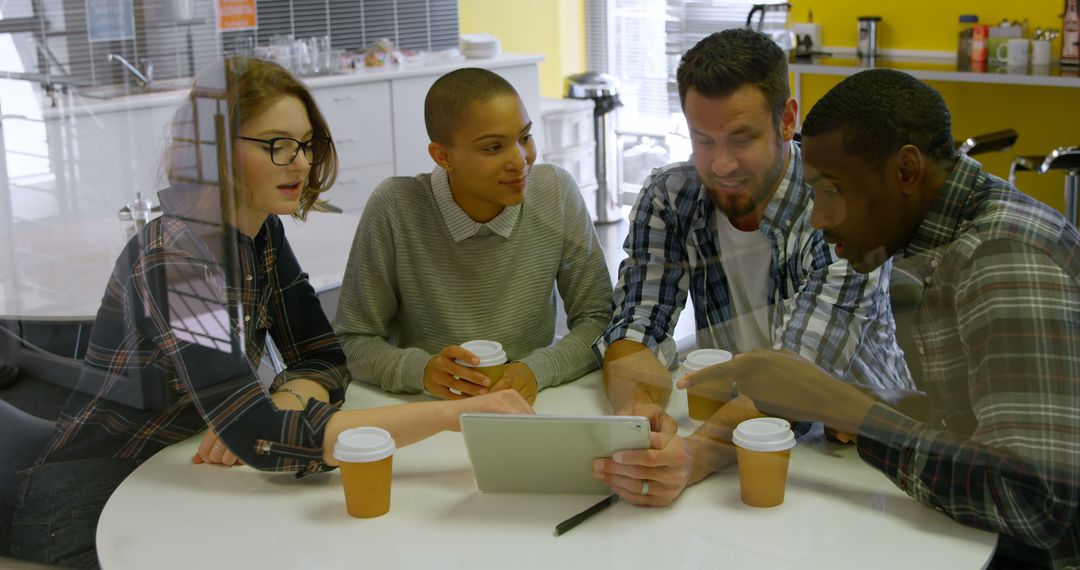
point(422, 275)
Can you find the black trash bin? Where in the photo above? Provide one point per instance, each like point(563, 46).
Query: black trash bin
point(603, 89)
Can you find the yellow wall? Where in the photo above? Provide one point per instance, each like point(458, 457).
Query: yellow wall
point(1045, 117)
point(919, 24)
point(552, 28)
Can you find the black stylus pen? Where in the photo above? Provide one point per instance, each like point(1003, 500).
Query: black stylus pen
point(579, 518)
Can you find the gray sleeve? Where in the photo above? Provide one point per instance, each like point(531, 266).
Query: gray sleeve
point(369, 302)
point(585, 287)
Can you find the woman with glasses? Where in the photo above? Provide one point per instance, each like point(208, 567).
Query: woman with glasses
point(186, 313)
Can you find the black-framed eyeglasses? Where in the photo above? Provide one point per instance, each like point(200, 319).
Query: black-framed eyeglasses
point(284, 150)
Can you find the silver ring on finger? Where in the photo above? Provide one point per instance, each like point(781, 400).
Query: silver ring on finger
point(644, 488)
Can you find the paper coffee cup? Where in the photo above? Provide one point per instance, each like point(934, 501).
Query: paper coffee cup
point(365, 456)
point(763, 447)
point(700, 400)
point(492, 358)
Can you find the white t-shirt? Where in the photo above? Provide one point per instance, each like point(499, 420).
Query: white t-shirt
point(746, 257)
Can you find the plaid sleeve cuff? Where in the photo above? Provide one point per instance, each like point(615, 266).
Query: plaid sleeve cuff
point(307, 457)
point(887, 442)
point(664, 348)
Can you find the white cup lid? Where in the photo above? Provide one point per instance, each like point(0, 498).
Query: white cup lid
point(489, 352)
point(704, 358)
point(363, 444)
point(764, 434)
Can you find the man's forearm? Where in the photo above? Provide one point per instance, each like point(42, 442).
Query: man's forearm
point(633, 375)
point(912, 403)
point(712, 451)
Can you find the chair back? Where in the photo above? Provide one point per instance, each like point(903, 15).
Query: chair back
point(22, 439)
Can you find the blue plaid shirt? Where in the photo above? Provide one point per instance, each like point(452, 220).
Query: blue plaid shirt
point(818, 306)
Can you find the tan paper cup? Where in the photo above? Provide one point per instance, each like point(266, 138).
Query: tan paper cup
point(700, 400)
point(366, 456)
point(763, 447)
point(492, 358)
point(494, 373)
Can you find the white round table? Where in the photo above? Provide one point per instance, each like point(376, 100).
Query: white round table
point(838, 513)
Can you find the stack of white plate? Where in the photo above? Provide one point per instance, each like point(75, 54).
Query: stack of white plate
point(480, 45)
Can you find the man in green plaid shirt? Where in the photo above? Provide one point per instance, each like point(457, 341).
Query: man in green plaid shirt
point(992, 438)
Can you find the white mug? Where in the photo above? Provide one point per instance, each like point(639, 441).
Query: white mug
point(1040, 52)
point(1016, 52)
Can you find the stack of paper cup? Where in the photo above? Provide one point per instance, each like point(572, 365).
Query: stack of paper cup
point(492, 358)
point(366, 456)
point(763, 446)
point(700, 400)
point(480, 45)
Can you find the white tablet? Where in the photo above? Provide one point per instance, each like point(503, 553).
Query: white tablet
point(522, 453)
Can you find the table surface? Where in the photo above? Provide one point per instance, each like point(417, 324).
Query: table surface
point(838, 513)
point(58, 271)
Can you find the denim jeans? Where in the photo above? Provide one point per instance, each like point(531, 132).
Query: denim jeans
point(57, 509)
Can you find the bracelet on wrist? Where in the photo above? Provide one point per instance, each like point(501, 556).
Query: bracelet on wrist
point(299, 398)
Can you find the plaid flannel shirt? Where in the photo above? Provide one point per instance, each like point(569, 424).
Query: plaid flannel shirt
point(818, 306)
point(998, 331)
point(166, 322)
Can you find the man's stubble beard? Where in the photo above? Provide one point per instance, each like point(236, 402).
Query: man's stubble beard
point(738, 206)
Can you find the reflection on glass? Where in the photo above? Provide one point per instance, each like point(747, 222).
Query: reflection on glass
point(190, 304)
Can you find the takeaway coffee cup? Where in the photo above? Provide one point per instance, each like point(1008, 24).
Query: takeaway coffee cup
point(365, 456)
point(700, 400)
point(492, 358)
point(763, 447)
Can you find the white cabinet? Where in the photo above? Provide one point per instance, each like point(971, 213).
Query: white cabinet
point(359, 119)
point(568, 126)
point(101, 159)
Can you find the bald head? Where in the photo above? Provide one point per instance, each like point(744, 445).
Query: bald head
point(450, 97)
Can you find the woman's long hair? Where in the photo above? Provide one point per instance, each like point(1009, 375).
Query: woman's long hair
point(223, 97)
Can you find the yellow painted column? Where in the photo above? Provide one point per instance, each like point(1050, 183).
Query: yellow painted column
point(552, 28)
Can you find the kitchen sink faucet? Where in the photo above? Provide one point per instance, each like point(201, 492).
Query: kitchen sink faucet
point(145, 77)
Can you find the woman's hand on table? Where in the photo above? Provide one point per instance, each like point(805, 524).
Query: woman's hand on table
point(518, 377)
point(442, 373)
point(214, 452)
point(502, 402)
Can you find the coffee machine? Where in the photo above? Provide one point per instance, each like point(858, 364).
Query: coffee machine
point(783, 38)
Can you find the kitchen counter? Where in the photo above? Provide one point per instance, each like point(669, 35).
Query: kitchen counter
point(75, 103)
point(98, 153)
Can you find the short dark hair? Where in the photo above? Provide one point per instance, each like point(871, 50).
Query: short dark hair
point(881, 110)
point(452, 94)
point(725, 61)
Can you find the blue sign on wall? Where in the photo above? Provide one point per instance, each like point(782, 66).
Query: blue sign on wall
point(108, 20)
